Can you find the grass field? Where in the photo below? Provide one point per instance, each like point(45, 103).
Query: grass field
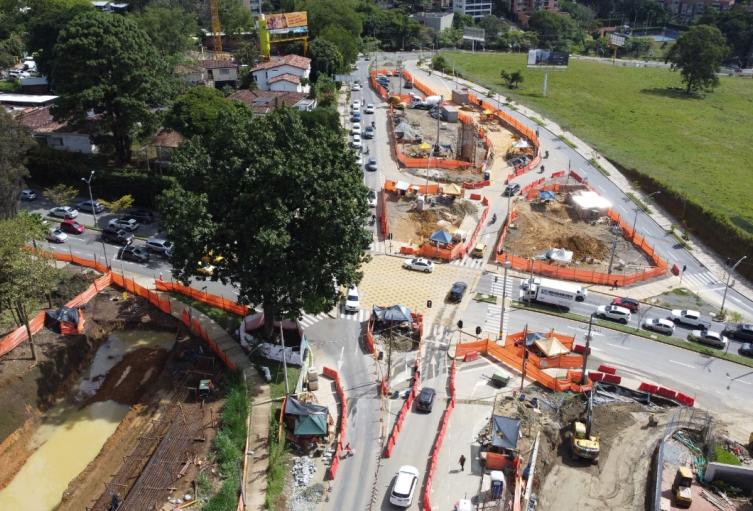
point(641, 119)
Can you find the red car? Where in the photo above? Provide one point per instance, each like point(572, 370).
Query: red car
point(629, 303)
point(71, 226)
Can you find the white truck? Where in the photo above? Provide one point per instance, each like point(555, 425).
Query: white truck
point(426, 104)
point(552, 292)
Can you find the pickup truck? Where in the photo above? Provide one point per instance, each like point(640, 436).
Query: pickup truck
point(688, 317)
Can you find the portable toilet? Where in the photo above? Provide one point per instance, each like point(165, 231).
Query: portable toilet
point(498, 483)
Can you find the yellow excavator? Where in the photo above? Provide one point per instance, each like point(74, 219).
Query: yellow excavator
point(583, 443)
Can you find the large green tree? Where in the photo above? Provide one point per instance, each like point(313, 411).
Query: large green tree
point(196, 112)
point(555, 31)
point(14, 143)
point(169, 28)
point(326, 59)
point(111, 68)
point(47, 19)
point(737, 26)
point(698, 54)
point(326, 13)
point(282, 203)
point(343, 40)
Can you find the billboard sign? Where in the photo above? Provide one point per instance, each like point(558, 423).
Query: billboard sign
point(474, 34)
point(288, 23)
point(616, 39)
point(547, 58)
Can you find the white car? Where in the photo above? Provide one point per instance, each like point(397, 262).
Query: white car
point(352, 303)
point(27, 195)
point(64, 212)
point(369, 109)
point(371, 164)
point(356, 87)
point(614, 313)
point(355, 129)
point(659, 325)
point(372, 198)
point(356, 142)
point(687, 317)
point(127, 224)
point(419, 264)
point(405, 485)
point(714, 339)
point(355, 106)
point(56, 236)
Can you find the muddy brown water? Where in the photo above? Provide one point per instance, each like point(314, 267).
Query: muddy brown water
point(70, 437)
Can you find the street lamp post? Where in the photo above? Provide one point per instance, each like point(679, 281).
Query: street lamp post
point(726, 285)
point(637, 209)
point(584, 378)
point(501, 335)
point(91, 198)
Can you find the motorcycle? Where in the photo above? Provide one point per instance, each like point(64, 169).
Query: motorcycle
point(541, 171)
point(494, 219)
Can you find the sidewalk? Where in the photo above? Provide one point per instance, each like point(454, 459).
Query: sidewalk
point(254, 490)
point(701, 253)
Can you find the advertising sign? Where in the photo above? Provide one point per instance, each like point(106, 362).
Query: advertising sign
point(287, 23)
point(616, 39)
point(474, 34)
point(547, 58)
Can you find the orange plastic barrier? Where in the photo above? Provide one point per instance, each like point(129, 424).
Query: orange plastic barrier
point(434, 458)
point(392, 439)
point(383, 225)
point(343, 412)
point(208, 298)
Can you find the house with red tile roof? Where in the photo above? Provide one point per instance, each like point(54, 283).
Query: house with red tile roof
point(263, 102)
point(287, 67)
point(58, 135)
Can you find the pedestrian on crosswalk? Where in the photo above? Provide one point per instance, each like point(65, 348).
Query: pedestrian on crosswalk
point(462, 462)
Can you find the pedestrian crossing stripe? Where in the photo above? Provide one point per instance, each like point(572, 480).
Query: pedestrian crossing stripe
point(468, 262)
point(307, 320)
point(491, 321)
point(498, 288)
point(700, 280)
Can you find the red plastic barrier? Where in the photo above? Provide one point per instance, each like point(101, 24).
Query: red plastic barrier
point(333, 375)
point(665, 392)
point(580, 349)
point(475, 196)
point(675, 270)
point(648, 387)
point(611, 378)
point(595, 375)
point(471, 356)
point(607, 369)
point(576, 176)
point(685, 399)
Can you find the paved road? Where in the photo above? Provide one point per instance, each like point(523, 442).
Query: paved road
point(563, 157)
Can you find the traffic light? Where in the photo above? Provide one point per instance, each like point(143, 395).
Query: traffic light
point(460, 324)
point(428, 304)
point(478, 330)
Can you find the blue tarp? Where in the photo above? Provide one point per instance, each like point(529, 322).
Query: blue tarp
point(441, 237)
point(546, 195)
point(505, 432)
point(398, 313)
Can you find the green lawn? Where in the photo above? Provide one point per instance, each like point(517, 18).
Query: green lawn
point(639, 118)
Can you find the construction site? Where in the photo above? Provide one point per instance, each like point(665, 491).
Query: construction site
point(119, 416)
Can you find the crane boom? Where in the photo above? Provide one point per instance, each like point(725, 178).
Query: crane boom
point(216, 28)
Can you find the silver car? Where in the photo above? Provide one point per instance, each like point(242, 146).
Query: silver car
point(659, 325)
point(64, 212)
point(56, 236)
point(159, 246)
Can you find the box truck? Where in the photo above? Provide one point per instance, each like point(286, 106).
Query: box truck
point(552, 292)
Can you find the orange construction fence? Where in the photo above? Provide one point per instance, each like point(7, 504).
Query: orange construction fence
point(434, 457)
point(343, 413)
point(392, 439)
point(202, 296)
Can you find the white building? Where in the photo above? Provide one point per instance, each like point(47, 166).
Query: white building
point(436, 21)
point(285, 67)
point(475, 8)
point(52, 133)
point(221, 72)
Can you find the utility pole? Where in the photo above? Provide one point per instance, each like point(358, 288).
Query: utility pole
point(91, 199)
point(611, 257)
point(583, 377)
point(726, 285)
point(284, 359)
point(501, 335)
point(525, 358)
point(546, 80)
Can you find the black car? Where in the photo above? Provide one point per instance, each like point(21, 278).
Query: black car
point(142, 216)
point(746, 350)
point(117, 236)
point(90, 206)
point(425, 399)
point(457, 292)
point(135, 254)
point(511, 190)
point(739, 331)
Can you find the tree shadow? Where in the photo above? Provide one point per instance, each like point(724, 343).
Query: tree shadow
point(672, 93)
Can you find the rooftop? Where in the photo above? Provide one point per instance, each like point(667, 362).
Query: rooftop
point(39, 120)
point(262, 102)
point(218, 64)
point(168, 138)
point(285, 77)
point(27, 99)
point(290, 60)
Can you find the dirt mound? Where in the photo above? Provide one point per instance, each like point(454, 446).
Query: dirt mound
point(582, 246)
point(127, 381)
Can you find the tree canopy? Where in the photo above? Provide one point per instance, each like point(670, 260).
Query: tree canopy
point(169, 28)
point(698, 54)
point(555, 32)
point(326, 59)
point(337, 13)
point(345, 43)
point(14, 143)
point(283, 204)
point(737, 26)
point(196, 112)
point(112, 68)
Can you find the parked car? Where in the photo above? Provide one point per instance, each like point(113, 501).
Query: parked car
point(356, 142)
point(90, 206)
point(629, 303)
point(425, 399)
point(404, 487)
point(511, 190)
point(659, 325)
point(135, 254)
point(614, 313)
point(355, 105)
point(64, 212)
point(687, 317)
point(369, 108)
point(368, 132)
point(118, 236)
point(419, 264)
point(746, 349)
point(708, 337)
point(371, 164)
point(159, 246)
point(739, 331)
point(143, 216)
point(457, 291)
point(128, 224)
point(72, 227)
point(28, 195)
point(356, 87)
point(56, 236)
point(355, 117)
point(372, 198)
point(355, 129)
point(352, 303)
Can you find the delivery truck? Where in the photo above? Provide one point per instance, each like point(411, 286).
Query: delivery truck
point(552, 292)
